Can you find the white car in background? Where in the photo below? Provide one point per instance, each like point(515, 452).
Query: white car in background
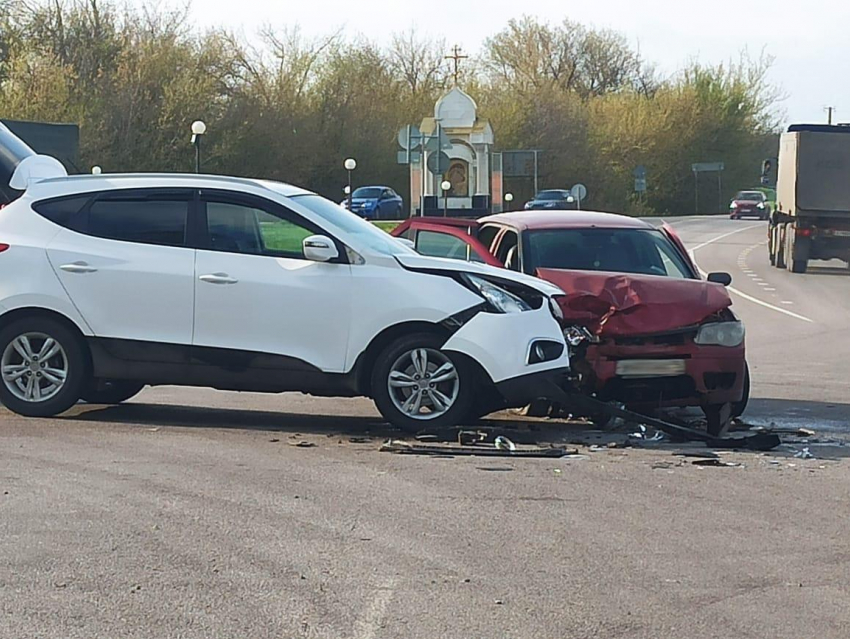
point(109, 283)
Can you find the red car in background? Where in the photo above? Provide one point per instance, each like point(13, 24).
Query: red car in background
point(664, 337)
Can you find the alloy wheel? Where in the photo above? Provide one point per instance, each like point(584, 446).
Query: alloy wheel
point(423, 383)
point(34, 367)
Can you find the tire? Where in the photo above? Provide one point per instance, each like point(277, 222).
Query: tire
point(22, 343)
point(738, 408)
point(780, 247)
point(402, 359)
point(111, 391)
point(795, 266)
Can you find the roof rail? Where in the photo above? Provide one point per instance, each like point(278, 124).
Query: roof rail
point(183, 176)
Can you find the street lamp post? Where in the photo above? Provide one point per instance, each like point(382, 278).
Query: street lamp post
point(509, 197)
point(198, 130)
point(350, 165)
point(446, 186)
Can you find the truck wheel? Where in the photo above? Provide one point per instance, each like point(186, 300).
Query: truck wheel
point(771, 248)
point(779, 242)
point(795, 266)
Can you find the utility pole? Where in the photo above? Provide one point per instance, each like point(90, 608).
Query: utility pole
point(830, 110)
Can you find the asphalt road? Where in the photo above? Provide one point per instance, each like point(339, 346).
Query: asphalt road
point(193, 513)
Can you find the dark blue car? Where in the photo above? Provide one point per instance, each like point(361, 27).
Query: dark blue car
point(555, 199)
point(376, 203)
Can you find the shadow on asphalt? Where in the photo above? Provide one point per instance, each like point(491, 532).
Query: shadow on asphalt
point(228, 418)
point(822, 417)
point(828, 270)
point(519, 429)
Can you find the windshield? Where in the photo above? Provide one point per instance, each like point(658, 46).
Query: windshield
point(365, 232)
point(552, 195)
point(368, 192)
point(756, 196)
point(639, 251)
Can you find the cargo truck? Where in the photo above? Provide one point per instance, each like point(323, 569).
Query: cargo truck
point(811, 220)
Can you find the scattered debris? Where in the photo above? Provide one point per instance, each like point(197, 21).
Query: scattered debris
point(499, 602)
point(715, 462)
point(274, 440)
point(397, 446)
point(471, 437)
point(643, 434)
point(503, 443)
point(303, 444)
point(359, 440)
point(804, 454)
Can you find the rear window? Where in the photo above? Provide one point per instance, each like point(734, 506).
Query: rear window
point(63, 211)
point(639, 251)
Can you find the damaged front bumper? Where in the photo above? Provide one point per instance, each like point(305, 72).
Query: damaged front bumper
point(687, 375)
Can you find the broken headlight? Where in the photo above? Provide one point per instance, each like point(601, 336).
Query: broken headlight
point(498, 298)
point(557, 313)
point(721, 334)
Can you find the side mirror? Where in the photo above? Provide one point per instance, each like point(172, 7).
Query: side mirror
point(319, 248)
point(720, 278)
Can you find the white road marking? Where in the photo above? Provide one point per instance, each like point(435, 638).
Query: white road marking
point(787, 302)
point(770, 289)
point(731, 289)
point(725, 235)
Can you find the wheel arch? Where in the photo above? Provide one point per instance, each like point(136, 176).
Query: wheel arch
point(20, 313)
point(366, 360)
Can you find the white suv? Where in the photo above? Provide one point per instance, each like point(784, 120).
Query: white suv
point(113, 282)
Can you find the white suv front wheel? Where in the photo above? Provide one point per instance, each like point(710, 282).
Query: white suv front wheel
point(417, 386)
point(42, 367)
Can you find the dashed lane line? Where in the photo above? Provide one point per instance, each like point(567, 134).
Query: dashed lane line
point(741, 294)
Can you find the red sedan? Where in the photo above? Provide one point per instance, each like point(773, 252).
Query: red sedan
point(664, 336)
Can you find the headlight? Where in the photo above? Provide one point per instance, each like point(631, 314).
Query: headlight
point(734, 205)
point(760, 205)
point(500, 299)
point(557, 313)
point(528, 205)
point(721, 334)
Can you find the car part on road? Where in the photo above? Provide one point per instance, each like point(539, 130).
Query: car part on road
point(406, 448)
point(582, 404)
point(738, 408)
point(43, 366)
point(111, 391)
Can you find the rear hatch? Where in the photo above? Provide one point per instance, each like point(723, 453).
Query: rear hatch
point(12, 151)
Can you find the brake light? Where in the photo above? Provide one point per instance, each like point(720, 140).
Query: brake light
point(4, 247)
point(804, 232)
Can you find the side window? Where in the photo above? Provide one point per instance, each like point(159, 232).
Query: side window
point(486, 236)
point(237, 228)
point(65, 211)
point(140, 219)
point(436, 244)
point(508, 251)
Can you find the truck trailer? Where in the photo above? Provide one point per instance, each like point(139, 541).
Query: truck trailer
point(811, 220)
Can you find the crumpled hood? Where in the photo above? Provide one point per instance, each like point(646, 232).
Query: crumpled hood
point(415, 262)
point(618, 304)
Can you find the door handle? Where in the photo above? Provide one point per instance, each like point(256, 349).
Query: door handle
point(78, 267)
point(218, 278)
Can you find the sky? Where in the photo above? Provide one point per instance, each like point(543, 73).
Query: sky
point(808, 40)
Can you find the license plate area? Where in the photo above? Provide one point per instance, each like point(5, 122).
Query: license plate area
point(636, 368)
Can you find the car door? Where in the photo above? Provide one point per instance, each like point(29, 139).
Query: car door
point(452, 243)
point(125, 262)
point(255, 291)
